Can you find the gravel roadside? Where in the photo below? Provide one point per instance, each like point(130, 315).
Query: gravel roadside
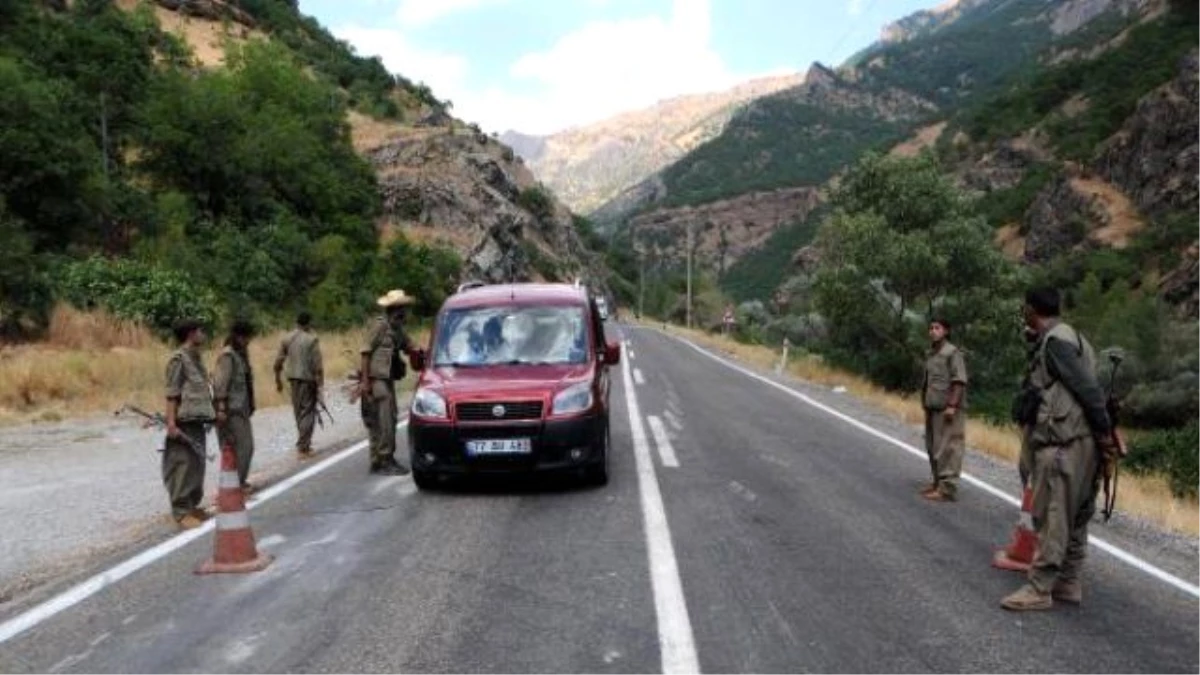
point(76, 491)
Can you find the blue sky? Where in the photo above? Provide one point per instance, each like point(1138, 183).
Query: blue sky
point(539, 66)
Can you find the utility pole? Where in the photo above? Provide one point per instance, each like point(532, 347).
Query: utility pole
point(689, 274)
point(641, 283)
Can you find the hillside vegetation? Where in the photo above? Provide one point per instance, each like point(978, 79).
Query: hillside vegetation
point(134, 179)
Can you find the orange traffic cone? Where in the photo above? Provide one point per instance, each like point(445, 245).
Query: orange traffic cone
point(1018, 555)
point(234, 549)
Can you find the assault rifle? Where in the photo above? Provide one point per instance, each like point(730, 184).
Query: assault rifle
point(1110, 463)
point(157, 420)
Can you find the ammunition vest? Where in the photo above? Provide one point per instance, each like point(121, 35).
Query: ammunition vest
point(937, 377)
point(196, 399)
point(1059, 419)
point(239, 389)
point(383, 351)
point(300, 346)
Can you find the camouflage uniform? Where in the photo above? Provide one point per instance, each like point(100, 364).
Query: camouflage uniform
point(944, 438)
point(1062, 444)
point(300, 361)
point(379, 411)
point(183, 465)
point(233, 389)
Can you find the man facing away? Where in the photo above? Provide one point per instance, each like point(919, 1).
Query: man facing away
point(233, 391)
point(1067, 436)
point(189, 411)
point(942, 396)
point(299, 360)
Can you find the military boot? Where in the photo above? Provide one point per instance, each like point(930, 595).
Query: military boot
point(1068, 590)
point(1027, 598)
point(189, 522)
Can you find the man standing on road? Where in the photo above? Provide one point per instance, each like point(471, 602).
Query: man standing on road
point(1065, 424)
point(300, 361)
point(189, 409)
point(942, 395)
point(233, 391)
point(380, 369)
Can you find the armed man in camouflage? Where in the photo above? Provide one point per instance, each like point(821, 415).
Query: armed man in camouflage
point(233, 391)
point(1067, 436)
point(380, 369)
point(943, 396)
point(300, 361)
point(189, 410)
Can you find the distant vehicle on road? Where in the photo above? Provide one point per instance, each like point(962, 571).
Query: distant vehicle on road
point(517, 381)
point(602, 308)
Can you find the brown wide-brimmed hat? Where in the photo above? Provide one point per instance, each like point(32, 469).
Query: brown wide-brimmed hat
point(395, 298)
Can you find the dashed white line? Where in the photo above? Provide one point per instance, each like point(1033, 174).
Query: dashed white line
point(89, 587)
point(1115, 551)
point(673, 419)
point(272, 540)
point(637, 377)
point(677, 646)
point(663, 441)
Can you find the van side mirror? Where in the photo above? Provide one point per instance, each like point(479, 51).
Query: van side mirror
point(612, 353)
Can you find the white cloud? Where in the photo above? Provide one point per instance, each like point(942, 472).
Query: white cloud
point(423, 12)
point(607, 67)
point(437, 69)
point(598, 70)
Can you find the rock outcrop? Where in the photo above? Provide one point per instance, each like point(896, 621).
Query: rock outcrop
point(1155, 157)
point(464, 189)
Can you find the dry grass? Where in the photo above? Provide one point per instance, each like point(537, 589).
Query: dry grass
point(1147, 497)
point(368, 133)
point(93, 363)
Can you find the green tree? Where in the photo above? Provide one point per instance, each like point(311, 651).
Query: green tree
point(901, 246)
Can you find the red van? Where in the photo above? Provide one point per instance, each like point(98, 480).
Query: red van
point(516, 380)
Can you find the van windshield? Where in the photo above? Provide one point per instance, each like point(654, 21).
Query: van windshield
point(538, 334)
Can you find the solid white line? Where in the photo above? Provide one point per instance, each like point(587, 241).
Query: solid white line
point(665, 450)
point(89, 587)
point(676, 644)
point(637, 376)
point(1115, 551)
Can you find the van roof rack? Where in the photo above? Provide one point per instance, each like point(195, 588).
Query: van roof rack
point(466, 286)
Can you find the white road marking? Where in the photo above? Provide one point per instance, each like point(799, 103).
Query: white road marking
point(331, 538)
point(1115, 551)
point(99, 639)
point(673, 419)
point(676, 644)
point(665, 450)
point(637, 376)
point(89, 587)
point(272, 540)
point(406, 488)
point(632, 355)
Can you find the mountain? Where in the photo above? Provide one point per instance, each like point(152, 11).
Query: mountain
point(590, 165)
point(1020, 98)
point(236, 152)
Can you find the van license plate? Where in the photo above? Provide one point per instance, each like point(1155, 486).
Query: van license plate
point(507, 446)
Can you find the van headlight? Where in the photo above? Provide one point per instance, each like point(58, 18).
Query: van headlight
point(573, 399)
point(428, 403)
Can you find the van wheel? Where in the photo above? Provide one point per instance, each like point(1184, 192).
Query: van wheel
point(597, 474)
point(424, 480)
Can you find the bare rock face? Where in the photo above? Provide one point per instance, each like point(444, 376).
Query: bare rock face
point(1059, 219)
point(212, 10)
point(1181, 287)
point(464, 186)
point(1155, 157)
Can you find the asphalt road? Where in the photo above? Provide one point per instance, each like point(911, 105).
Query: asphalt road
point(769, 537)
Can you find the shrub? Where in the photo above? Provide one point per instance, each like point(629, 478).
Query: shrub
point(133, 290)
point(1170, 451)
